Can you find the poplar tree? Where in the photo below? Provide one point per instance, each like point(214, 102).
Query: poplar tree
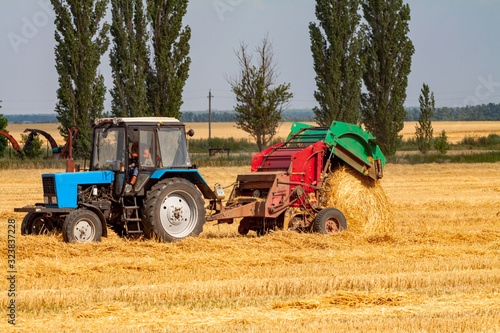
point(389, 51)
point(170, 41)
point(129, 58)
point(336, 45)
point(424, 131)
point(81, 40)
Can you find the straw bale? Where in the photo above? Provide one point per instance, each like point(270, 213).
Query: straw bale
point(361, 199)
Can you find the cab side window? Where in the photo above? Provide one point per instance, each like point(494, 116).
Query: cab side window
point(146, 148)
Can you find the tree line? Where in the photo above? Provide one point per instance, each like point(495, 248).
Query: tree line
point(485, 112)
point(150, 63)
point(149, 58)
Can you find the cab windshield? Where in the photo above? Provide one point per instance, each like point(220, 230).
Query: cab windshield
point(109, 149)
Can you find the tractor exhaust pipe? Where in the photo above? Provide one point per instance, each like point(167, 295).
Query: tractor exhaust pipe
point(70, 162)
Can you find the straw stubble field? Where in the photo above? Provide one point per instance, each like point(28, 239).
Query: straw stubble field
point(438, 269)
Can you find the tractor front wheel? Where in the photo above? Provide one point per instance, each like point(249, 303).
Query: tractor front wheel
point(330, 221)
point(82, 225)
point(36, 224)
point(173, 210)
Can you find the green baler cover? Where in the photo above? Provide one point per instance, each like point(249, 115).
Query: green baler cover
point(354, 138)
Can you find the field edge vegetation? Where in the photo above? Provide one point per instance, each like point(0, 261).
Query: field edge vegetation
point(483, 149)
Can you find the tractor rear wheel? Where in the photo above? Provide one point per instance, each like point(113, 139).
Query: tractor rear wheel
point(329, 221)
point(82, 225)
point(36, 224)
point(173, 210)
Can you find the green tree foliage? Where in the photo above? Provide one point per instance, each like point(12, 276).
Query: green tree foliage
point(35, 149)
point(424, 129)
point(389, 51)
point(129, 58)
point(170, 42)
point(3, 140)
point(441, 143)
point(81, 40)
point(259, 103)
point(336, 44)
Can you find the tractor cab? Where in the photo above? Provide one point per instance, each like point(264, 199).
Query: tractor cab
point(138, 147)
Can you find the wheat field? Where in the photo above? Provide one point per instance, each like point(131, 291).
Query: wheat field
point(437, 270)
point(455, 130)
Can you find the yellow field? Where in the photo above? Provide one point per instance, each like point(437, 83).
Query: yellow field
point(437, 271)
point(455, 131)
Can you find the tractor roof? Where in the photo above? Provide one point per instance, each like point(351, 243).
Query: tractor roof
point(135, 120)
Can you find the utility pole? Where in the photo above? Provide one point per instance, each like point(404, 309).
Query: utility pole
point(210, 96)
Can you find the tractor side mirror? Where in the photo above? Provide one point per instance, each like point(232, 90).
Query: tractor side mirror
point(190, 132)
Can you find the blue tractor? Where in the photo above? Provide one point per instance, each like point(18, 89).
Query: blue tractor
point(140, 181)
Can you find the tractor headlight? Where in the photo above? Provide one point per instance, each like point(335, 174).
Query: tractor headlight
point(50, 200)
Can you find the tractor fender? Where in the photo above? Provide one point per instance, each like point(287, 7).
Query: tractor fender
point(100, 215)
point(190, 175)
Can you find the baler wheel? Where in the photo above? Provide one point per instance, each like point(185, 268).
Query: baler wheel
point(36, 224)
point(173, 210)
point(82, 225)
point(244, 226)
point(330, 221)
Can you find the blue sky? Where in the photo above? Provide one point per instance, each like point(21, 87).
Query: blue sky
point(456, 42)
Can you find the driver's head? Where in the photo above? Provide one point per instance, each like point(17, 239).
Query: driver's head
point(145, 153)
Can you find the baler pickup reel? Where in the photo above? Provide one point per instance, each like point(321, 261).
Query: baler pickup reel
point(286, 186)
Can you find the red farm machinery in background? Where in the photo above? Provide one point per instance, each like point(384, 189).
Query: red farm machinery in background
point(57, 151)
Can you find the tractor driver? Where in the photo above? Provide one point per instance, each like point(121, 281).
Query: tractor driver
point(134, 167)
point(133, 171)
point(146, 157)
